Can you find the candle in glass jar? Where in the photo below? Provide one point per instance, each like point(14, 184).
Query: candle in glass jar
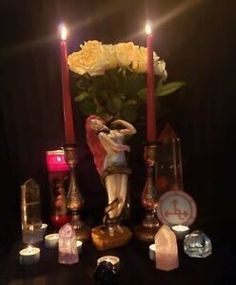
point(67, 107)
point(51, 241)
point(29, 255)
point(151, 102)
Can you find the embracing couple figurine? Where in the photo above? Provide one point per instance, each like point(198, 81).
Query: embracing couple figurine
point(107, 144)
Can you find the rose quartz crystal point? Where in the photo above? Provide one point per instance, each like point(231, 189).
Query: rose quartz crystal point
point(166, 249)
point(67, 248)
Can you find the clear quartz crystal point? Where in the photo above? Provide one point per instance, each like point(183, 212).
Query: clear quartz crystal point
point(31, 221)
point(197, 244)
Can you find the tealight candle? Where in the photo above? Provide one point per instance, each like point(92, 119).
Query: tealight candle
point(29, 255)
point(51, 241)
point(114, 260)
point(79, 245)
point(152, 252)
point(180, 230)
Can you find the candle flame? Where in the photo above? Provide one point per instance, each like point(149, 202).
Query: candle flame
point(63, 32)
point(148, 28)
point(29, 248)
point(58, 158)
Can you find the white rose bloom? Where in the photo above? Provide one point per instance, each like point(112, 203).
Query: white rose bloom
point(95, 58)
point(160, 68)
point(140, 65)
point(90, 59)
point(125, 53)
point(110, 54)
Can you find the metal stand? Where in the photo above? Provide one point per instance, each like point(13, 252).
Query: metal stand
point(75, 200)
point(149, 199)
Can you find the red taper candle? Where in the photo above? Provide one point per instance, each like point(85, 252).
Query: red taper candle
point(151, 104)
point(67, 107)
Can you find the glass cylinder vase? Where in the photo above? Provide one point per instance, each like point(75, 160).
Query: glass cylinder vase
point(58, 175)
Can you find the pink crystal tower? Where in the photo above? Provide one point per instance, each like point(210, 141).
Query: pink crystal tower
point(67, 248)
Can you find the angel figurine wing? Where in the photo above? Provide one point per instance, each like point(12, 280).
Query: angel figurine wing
point(94, 143)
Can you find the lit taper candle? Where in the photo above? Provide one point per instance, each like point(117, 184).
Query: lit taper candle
point(67, 107)
point(151, 105)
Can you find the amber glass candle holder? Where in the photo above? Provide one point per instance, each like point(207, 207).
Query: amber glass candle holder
point(149, 199)
point(75, 201)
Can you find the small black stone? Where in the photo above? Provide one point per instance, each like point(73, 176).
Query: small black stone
point(105, 273)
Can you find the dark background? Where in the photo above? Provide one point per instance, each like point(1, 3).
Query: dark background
point(197, 41)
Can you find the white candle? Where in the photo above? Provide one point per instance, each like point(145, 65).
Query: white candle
point(79, 245)
point(114, 260)
point(29, 255)
point(152, 251)
point(180, 230)
point(51, 241)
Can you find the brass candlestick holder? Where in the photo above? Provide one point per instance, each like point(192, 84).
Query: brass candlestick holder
point(149, 199)
point(75, 200)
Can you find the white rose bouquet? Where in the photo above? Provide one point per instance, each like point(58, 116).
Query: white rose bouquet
point(111, 79)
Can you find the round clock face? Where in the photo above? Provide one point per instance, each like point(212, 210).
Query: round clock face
point(177, 207)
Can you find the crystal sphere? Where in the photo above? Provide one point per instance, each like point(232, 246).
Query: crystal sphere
point(197, 244)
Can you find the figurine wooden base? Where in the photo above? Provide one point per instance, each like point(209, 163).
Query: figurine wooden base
point(103, 239)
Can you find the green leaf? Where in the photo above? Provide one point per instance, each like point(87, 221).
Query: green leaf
point(129, 112)
point(88, 107)
point(131, 102)
point(117, 103)
point(114, 105)
point(142, 94)
point(168, 88)
point(81, 96)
